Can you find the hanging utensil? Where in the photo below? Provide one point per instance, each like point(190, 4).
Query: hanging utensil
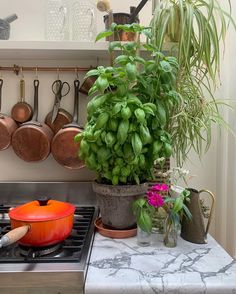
point(22, 111)
point(7, 125)
point(31, 142)
point(58, 117)
point(63, 147)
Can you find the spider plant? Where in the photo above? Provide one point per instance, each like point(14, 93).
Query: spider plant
point(197, 28)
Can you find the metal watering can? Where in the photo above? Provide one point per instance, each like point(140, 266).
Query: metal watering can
point(194, 229)
point(5, 26)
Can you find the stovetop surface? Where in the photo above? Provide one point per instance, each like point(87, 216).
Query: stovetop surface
point(70, 250)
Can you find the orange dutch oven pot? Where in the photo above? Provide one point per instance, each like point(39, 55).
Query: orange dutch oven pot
point(42, 222)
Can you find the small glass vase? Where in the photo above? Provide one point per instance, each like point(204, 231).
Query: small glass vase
point(170, 233)
point(143, 238)
point(158, 221)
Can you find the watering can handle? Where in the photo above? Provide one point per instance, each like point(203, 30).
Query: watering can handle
point(211, 209)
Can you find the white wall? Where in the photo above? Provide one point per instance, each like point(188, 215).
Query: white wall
point(30, 26)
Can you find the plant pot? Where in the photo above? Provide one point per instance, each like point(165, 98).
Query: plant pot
point(121, 18)
point(115, 203)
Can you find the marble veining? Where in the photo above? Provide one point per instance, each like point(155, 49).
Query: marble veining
point(120, 266)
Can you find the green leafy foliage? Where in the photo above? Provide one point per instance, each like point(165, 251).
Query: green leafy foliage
point(127, 115)
point(196, 28)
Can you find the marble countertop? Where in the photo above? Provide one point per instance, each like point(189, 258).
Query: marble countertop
point(120, 266)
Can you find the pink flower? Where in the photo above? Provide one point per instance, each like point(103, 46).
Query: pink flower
point(160, 187)
point(155, 199)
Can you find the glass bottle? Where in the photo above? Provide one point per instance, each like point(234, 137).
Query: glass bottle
point(143, 238)
point(170, 233)
point(158, 221)
point(57, 20)
point(83, 20)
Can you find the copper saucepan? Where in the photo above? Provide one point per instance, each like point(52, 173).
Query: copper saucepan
point(22, 111)
point(7, 125)
point(31, 142)
point(63, 147)
point(42, 222)
point(58, 117)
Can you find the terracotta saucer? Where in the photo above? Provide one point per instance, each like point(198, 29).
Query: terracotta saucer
point(116, 234)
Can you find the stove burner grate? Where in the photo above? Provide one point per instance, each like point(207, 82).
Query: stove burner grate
point(70, 250)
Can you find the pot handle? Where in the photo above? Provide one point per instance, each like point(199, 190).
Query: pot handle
point(211, 209)
point(14, 235)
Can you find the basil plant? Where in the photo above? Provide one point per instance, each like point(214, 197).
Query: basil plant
point(130, 107)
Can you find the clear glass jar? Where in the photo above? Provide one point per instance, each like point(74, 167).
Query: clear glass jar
point(170, 233)
point(57, 20)
point(143, 238)
point(83, 20)
point(158, 221)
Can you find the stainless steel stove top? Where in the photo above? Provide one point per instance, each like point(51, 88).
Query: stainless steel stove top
point(59, 270)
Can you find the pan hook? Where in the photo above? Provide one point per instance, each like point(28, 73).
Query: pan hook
point(21, 73)
point(58, 73)
point(76, 73)
point(36, 73)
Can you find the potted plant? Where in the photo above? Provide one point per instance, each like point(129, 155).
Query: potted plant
point(127, 116)
point(196, 29)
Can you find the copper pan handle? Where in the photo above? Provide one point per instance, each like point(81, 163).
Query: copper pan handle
point(14, 235)
point(1, 84)
point(22, 90)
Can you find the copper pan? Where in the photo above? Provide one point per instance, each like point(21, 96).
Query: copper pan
point(7, 125)
point(63, 147)
point(58, 117)
point(87, 84)
point(22, 112)
point(31, 142)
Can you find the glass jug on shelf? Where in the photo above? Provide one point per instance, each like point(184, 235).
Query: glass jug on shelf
point(83, 20)
point(57, 20)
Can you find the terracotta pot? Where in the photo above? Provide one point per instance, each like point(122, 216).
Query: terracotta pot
point(40, 223)
point(115, 203)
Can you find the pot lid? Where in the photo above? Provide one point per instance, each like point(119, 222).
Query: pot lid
point(42, 209)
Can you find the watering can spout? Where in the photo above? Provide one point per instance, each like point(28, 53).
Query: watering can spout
point(11, 18)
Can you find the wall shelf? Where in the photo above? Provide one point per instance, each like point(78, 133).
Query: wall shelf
point(51, 50)
point(54, 50)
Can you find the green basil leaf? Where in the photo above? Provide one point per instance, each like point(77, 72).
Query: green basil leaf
point(103, 34)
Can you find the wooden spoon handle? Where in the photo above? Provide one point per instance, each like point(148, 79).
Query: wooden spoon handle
point(14, 235)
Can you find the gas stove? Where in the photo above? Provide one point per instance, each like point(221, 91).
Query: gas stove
point(56, 269)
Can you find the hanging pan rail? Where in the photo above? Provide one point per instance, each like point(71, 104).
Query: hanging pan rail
point(16, 69)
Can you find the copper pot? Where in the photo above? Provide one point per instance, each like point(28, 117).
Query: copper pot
point(58, 117)
point(63, 147)
point(7, 125)
point(31, 142)
point(121, 18)
point(42, 222)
